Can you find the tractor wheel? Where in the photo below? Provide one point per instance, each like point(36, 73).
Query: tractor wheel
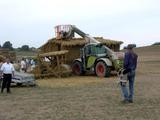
point(102, 70)
point(77, 68)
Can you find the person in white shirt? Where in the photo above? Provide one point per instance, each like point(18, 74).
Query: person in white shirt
point(7, 70)
point(23, 65)
point(33, 64)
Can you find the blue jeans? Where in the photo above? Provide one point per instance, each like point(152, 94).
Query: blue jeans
point(128, 94)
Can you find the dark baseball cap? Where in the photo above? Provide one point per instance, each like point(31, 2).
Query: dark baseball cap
point(130, 46)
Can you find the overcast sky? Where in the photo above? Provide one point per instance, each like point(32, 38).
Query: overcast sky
point(32, 22)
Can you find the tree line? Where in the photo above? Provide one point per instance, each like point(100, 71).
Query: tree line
point(8, 45)
point(156, 43)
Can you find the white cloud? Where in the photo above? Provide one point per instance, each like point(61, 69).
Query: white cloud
point(31, 10)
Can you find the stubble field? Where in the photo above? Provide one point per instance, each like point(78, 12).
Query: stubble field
point(88, 97)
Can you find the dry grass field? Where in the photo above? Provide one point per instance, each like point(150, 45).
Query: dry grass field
point(88, 97)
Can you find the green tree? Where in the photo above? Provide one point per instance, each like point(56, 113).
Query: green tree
point(25, 48)
point(8, 45)
point(156, 43)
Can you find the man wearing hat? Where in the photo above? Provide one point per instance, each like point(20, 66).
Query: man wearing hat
point(130, 65)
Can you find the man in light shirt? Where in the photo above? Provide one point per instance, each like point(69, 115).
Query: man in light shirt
point(23, 65)
point(7, 70)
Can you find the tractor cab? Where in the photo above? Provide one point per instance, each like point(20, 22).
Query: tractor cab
point(90, 53)
point(97, 50)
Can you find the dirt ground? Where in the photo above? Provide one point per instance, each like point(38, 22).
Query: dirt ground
point(88, 97)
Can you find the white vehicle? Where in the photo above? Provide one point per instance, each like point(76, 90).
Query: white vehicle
point(23, 79)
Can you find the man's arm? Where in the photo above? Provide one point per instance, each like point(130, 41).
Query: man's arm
point(1, 70)
point(1, 74)
point(13, 70)
point(12, 73)
point(126, 61)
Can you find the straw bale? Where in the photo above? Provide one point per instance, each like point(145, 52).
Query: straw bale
point(1, 58)
point(16, 66)
point(75, 42)
point(62, 52)
point(80, 41)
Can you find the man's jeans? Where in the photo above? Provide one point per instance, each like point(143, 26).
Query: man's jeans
point(128, 95)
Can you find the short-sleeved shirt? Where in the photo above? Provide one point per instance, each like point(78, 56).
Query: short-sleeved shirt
point(23, 64)
point(7, 68)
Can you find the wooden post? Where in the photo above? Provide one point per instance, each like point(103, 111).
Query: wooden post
point(57, 59)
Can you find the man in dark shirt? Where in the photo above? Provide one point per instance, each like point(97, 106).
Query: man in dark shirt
point(130, 64)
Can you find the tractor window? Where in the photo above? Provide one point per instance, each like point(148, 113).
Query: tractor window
point(93, 50)
point(100, 49)
point(90, 50)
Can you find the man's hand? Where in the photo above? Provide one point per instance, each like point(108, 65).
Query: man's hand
point(1, 75)
point(13, 74)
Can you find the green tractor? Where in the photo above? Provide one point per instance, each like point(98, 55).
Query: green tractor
point(94, 56)
point(97, 58)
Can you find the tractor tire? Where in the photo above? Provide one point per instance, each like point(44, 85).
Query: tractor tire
point(77, 68)
point(102, 70)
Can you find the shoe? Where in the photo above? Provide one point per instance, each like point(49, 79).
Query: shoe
point(130, 101)
point(9, 92)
